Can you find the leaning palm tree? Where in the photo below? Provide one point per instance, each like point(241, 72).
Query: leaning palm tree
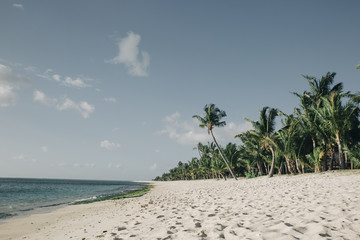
point(212, 118)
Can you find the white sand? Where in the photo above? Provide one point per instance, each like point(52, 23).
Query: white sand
point(311, 206)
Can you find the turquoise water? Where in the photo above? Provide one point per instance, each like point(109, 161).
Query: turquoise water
point(20, 196)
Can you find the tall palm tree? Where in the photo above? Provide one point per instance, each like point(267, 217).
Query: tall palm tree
point(212, 118)
point(288, 142)
point(337, 118)
point(312, 100)
point(264, 130)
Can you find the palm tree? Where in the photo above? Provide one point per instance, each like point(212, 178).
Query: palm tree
point(251, 152)
point(218, 167)
point(289, 142)
point(212, 118)
point(264, 131)
point(232, 154)
point(337, 119)
point(315, 158)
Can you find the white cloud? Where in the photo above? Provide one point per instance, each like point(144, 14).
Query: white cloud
point(189, 132)
point(172, 118)
point(77, 82)
point(157, 150)
point(56, 77)
point(109, 145)
point(9, 81)
point(110, 99)
point(46, 74)
point(153, 167)
point(44, 149)
point(40, 97)
point(83, 107)
point(7, 96)
point(129, 56)
point(18, 5)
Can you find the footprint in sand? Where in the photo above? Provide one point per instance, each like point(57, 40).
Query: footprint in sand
point(121, 228)
point(221, 227)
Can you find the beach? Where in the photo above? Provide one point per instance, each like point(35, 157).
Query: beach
point(308, 206)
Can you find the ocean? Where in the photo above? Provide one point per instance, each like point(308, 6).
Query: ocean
point(21, 196)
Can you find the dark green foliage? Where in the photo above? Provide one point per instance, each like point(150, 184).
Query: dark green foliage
point(251, 174)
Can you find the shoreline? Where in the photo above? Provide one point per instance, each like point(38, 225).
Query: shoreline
point(309, 206)
point(23, 213)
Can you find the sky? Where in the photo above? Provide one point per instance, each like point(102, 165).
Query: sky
point(107, 89)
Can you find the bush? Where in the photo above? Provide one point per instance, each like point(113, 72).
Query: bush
point(251, 174)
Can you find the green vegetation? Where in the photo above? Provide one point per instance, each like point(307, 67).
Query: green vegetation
point(212, 118)
point(251, 174)
point(322, 133)
point(131, 194)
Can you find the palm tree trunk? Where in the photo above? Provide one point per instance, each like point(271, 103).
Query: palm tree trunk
point(266, 168)
point(271, 173)
point(341, 155)
point(300, 166)
point(346, 160)
point(297, 165)
point(260, 168)
point(281, 167)
point(303, 168)
point(324, 164)
point(222, 155)
point(289, 165)
point(331, 157)
point(313, 142)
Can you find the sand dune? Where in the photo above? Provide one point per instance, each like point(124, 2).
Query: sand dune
point(310, 206)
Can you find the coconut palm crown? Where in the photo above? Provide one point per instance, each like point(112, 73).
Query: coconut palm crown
point(212, 117)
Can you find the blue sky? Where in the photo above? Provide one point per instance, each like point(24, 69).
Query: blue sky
point(107, 89)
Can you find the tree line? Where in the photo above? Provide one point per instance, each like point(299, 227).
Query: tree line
point(322, 133)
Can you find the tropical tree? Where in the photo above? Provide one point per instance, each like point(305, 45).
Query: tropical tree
point(232, 154)
point(312, 100)
point(287, 141)
point(264, 130)
point(251, 152)
point(315, 158)
point(212, 118)
point(337, 120)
